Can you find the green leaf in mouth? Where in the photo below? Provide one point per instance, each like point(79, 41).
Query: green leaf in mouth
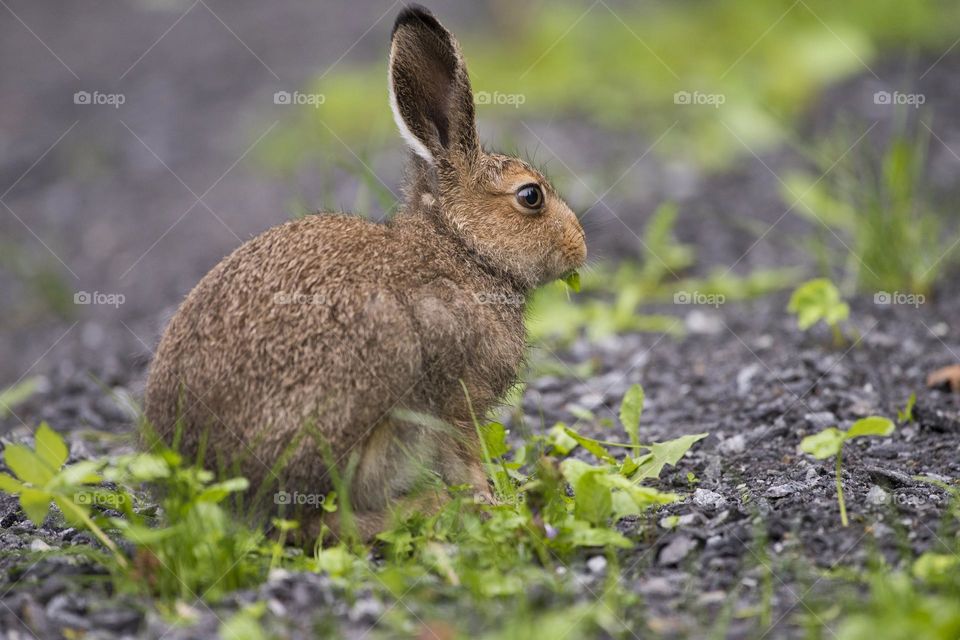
point(572, 280)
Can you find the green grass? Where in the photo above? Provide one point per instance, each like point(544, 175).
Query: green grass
point(194, 547)
point(620, 70)
point(873, 214)
point(613, 298)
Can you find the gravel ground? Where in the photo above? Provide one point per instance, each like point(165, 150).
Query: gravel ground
point(758, 508)
point(759, 512)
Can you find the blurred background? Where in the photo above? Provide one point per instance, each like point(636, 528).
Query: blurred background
point(741, 145)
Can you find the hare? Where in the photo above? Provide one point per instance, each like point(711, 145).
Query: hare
point(312, 348)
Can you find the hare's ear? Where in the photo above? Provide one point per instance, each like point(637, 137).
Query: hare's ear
point(429, 89)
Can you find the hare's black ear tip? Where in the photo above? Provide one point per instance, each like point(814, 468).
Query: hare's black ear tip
point(417, 16)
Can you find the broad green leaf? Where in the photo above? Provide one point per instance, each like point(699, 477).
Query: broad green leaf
point(217, 492)
point(559, 440)
point(816, 300)
point(244, 625)
point(872, 426)
point(573, 281)
point(71, 510)
point(581, 534)
point(51, 447)
point(630, 465)
point(147, 467)
point(592, 501)
point(591, 445)
point(642, 496)
point(35, 503)
point(661, 454)
point(494, 439)
point(624, 505)
point(83, 472)
point(825, 444)
point(9, 484)
point(572, 469)
point(27, 465)
point(337, 561)
point(12, 396)
point(630, 411)
point(932, 566)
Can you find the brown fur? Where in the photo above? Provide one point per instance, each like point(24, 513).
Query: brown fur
point(385, 317)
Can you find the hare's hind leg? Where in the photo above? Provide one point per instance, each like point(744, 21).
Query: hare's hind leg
point(402, 469)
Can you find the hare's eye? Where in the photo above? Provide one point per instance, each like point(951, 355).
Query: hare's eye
point(530, 196)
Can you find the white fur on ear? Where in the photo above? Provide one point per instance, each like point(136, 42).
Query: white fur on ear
point(412, 140)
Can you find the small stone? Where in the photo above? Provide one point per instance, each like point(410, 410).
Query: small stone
point(745, 378)
point(820, 420)
point(711, 597)
point(591, 400)
point(278, 575)
point(276, 607)
point(597, 565)
point(676, 550)
point(39, 545)
point(365, 610)
point(122, 621)
point(704, 323)
point(784, 490)
point(656, 587)
point(763, 342)
point(708, 499)
point(734, 444)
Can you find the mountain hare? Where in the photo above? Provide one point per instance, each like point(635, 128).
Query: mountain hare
point(309, 352)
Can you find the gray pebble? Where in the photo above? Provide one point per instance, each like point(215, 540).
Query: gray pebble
point(708, 499)
point(676, 550)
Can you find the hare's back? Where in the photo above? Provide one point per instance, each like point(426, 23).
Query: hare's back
point(305, 322)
